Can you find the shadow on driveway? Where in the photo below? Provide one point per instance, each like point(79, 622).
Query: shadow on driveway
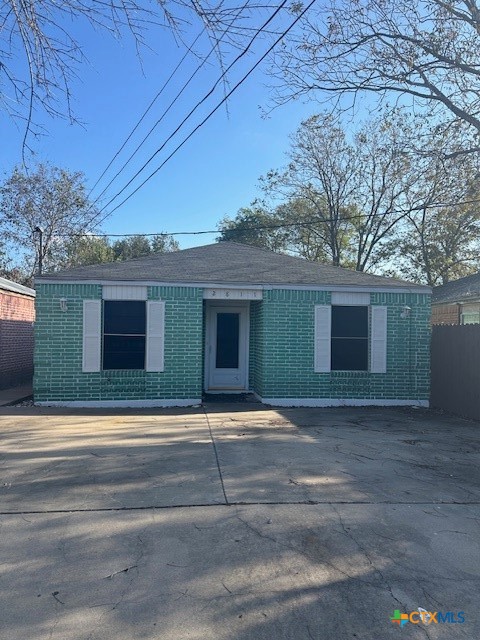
point(371, 510)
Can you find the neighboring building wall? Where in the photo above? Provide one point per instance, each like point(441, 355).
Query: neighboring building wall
point(470, 313)
point(287, 338)
point(454, 314)
point(58, 349)
point(445, 314)
point(17, 314)
point(455, 370)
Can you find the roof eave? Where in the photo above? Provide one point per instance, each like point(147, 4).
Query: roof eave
point(379, 288)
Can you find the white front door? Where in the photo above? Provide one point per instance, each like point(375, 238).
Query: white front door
point(226, 348)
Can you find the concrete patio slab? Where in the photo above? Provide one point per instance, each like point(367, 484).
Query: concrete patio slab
point(131, 524)
point(347, 455)
point(54, 460)
point(245, 573)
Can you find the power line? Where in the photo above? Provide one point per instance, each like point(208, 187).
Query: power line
point(283, 225)
point(204, 231)
point(172, 103)
point(142, 117)
point(200, 102)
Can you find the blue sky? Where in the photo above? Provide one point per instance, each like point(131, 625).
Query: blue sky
point(214, 174)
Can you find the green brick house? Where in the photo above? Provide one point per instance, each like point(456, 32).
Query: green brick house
point(225, 318)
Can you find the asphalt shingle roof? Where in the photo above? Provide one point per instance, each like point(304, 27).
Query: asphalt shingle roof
point(228, 263)
point(461, 290)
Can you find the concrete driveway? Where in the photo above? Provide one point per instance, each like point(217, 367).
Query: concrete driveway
point(237, 522)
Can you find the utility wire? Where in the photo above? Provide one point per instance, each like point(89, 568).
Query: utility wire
point(145, 113)
point(200, 102)
point(166, 111)
point(284, 225)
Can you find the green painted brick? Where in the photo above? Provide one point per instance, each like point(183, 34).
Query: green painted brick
point(58, 349)
point(280, 358)
point(283, 350)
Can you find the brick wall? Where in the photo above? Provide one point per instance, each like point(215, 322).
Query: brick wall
point(58, 349)
point(281, 349)
point(286, 335)
point(17, 313)
point(446, 314)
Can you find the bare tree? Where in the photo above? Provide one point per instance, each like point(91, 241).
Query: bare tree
point(321, 174)
point(356, 190)
point(425, 49)
point(42, 32)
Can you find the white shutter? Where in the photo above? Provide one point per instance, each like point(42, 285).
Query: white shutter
point(378, 353)
point(92, 333)
point(155, 335)
point(323, 330)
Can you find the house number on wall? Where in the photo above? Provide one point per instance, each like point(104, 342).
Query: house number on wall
point(232, 294)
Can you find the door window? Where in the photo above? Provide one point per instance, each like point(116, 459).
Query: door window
point(228, 335)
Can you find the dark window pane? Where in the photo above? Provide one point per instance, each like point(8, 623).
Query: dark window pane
point(124, 352)
point(120, 316)
point(349, 354)
point(228, 325)
point(349, 322)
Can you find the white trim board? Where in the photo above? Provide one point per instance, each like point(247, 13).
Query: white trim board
point(124, 292)
point(246, 285)
point(120, 404)
point(337, 402)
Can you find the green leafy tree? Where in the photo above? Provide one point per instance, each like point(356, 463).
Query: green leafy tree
point(129, 248)
point(51, 198)
point(441, 245)
point(257, 227)
point(440, 239)
point(164, 243)
point(91, 249)
point(87, 250)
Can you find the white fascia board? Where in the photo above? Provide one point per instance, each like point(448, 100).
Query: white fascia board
point(120, 404)
point(337, 402)
point(14, 287)
point(259, 287)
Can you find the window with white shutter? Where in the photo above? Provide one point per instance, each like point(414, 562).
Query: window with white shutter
point(342, 342)
point(155, 335)
point(92, 335)
point(323, 323)
point(378, 347)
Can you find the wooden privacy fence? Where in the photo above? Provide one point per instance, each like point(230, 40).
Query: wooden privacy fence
point(455, 382)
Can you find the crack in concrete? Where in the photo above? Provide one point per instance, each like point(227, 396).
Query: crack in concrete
point(348, 533)
point(116, 573)
point(240, 503)
point(216, 455)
